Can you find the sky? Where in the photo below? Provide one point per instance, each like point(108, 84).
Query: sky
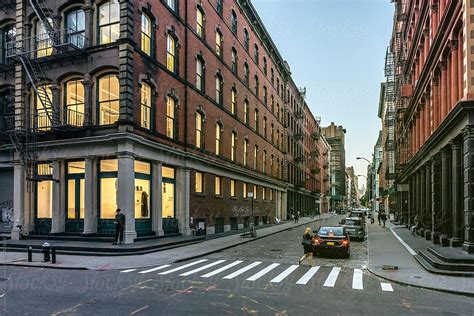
point(336, 49)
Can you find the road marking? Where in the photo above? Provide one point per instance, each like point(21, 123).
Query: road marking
point(386, 287)
point(284, 274)
point(183, 267)
point(227, 267)
point(357, 280)
point(411, 251)
point(258, 275)
point(308, 275)
point(202, 268)
point(331, 280)
point(155, 269)
point(127, 271)
point(244, 269)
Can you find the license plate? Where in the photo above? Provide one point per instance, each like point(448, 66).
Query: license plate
point(330, 243)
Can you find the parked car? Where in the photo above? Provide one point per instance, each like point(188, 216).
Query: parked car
point(332, 240)
point(359, 214)
point(355, 227)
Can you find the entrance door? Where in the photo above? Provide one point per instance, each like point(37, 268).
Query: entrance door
point(170, 223)
point(75, 204)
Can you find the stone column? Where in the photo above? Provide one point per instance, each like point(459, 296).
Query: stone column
point(426, 220)
point(18, 201)
point(126, 193)
point(456, 194)
point(453, 45)
point(90, 196)
point(89, 22)
point(435, 199)
point(421, 216)
point(183, 194)
point(157, 219)
point(444, 90)
point(88, 112)
point(445, 198)
point(58, 213)
point(435, 107)
point(468, 158)
point(434, 18)
point(284, 205)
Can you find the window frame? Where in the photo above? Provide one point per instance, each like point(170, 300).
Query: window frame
point(218, 186)
point(171, 56)
point(219, 89)
point(66, 107)
point(109, 24)
point(200, 21)
point(218, 131)
point(233, 139)
point(199, 142)
point(75, 33)
point(171, 118)
point(107, 101)
point(144, 36)
point(233, 22)
point(201, 182)
point(219, 42)
point(200, 74)
point(148, 107)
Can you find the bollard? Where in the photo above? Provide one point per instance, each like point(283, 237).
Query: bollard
point(53, 254)
point(46, 251)
point(30, 254)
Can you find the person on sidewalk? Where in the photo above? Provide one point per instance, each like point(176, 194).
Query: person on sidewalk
point(119, 227)
point(379, 218)
point(416, 221)
point(298, 214)
point(383, 218)
point(307, 243)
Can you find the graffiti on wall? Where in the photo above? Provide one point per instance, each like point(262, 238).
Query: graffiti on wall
point(6, 215)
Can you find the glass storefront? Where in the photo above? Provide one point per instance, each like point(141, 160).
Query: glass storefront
point(142, 189)
point(75, 195)
point(108, 183)
point(168, 190)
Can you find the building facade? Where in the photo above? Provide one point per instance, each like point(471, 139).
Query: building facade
point(352, 190)
point(432, 46)
point(325, 175)
point(335, 136)
point(178, 112)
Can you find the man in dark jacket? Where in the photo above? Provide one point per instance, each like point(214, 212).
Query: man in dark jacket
point(119, 227)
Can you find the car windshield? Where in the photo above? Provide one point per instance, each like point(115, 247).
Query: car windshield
point(352, 222)
point(331, 231)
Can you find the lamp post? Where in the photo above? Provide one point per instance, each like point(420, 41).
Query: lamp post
point(371, 165)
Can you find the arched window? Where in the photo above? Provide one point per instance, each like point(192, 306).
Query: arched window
point(219, 7)
point(145, 106)
point(218, 43)
point(245, 158)
point(146, 37)
point(171, 53)
point(44, 45)
point(74, 102)
point(170, 116)
point(272, 78)
point(199, 132)
point(218, 139)
point(172, 4)
point(265, 95)
point(255, 157)
point(257, 54)
point(42, 107)
point(234, 60)
point(265, 65)
point(257, 86)
point(264, 162)
point(256, 120)
point(75, 27)
point(232, 146)
point(233, 22)
point(219, 89)
point(109, 22)
point(246, 112)
point(271, 166)
point(246, 74)
point(200, 22)
point(108, 99)
point(265, 127)
point(246, 39)
point(200, 74)
point(233, 96)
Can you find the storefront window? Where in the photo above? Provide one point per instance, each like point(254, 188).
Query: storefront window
point(108, 188)
point(142, 189)
point(75, 189)
point(45, 199)
point(168, 189)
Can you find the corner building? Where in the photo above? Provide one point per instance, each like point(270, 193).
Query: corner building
point(175, 111)
point(432, 47)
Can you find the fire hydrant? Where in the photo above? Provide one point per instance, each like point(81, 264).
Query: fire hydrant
point(46, 251)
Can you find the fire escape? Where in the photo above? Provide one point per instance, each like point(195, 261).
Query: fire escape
point(389, 119)
point(27, 125)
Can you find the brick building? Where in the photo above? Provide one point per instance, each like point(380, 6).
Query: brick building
point(190, 97)
point(432, 46)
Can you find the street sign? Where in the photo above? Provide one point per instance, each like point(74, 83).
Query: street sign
point(250, 194)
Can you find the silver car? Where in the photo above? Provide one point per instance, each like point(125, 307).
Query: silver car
point(355, 227)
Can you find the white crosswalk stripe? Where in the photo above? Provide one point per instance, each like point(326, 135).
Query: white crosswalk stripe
point(207, 266)
point(308, 275)
point(386, 287)
point(261, 273)
point(284, 274)
point(332, 278)
point(128, 271)
point(224, 268)
point(183, 267)
point(357, 280)
point(243, 270)
point(155, 269)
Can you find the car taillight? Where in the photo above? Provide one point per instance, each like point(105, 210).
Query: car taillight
point(345, 242)
point(319, 241)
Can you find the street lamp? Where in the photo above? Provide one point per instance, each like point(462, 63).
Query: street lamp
point(362, 158)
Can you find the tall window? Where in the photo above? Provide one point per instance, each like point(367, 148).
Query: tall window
point(256, 120)
point(218, 139)
point(8, 35)
point(257, 54)
point(198, 130)
point(232, 188)
point(172, 4)
point(232, 100)
point(264, 191)
point(272, 132)
point(265, 127)
point(200, 22)
point(109, 97)
point(219, 89)
point(234, 60)
point(200, 74)
point(44, 45)
point(232, 146)
point(264, 162)
point(219, 7)
point(265, 95)
point(145, 105)
point(170, 117)
point(246, 112)
point(44, 109)
point(75, 102)
point(246, 39)
point(109, 22)
point(75, 27)
point(219, 43)
point(146, 34)
point(233, 22)
point(244, 190)
point(257, 86)
point(265, 65)
point(271, 165)
point(278, 86)
point(218, 186)
point(272, 76)
point(171, 53)
point(246, 74)
point(246, 145)
point(142, 189)
point(199, 188)
point(44, 191)
point(255, 157)
point(272, 103)
point(254, 192)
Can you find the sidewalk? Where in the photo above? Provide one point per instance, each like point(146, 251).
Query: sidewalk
point(385, 249)
point(151, 259)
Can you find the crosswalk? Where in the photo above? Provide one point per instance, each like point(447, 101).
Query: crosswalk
point(274, 273)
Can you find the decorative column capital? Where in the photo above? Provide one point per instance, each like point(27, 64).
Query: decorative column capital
point(434, 7)
point(453, 45)
point(443, 65)
point(435, 81)
point(126, 154)
point(445, 152)
point(455, 144)
point(468, 132)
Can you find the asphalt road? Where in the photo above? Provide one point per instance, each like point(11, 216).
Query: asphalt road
point(272, 284)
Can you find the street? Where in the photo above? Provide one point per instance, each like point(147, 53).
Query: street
point(260, 277)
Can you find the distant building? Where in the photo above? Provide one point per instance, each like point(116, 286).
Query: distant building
point(377, 163)
point(352, 190)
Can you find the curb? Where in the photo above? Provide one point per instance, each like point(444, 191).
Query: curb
point(12, 264)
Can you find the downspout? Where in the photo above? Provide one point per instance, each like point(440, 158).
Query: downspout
point(186, 76)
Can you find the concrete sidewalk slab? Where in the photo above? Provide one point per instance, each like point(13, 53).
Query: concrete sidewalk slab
point(151, 259)
point(385, 249)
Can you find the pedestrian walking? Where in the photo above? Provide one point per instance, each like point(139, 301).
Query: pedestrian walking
point(298, 214)
point(293, 218)
point(119, 227)
point(416, 221)
point(307, 243)
point(379, 218)
point(383, 218)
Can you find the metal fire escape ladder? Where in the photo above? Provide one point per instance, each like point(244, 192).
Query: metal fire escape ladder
point(51, 30)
